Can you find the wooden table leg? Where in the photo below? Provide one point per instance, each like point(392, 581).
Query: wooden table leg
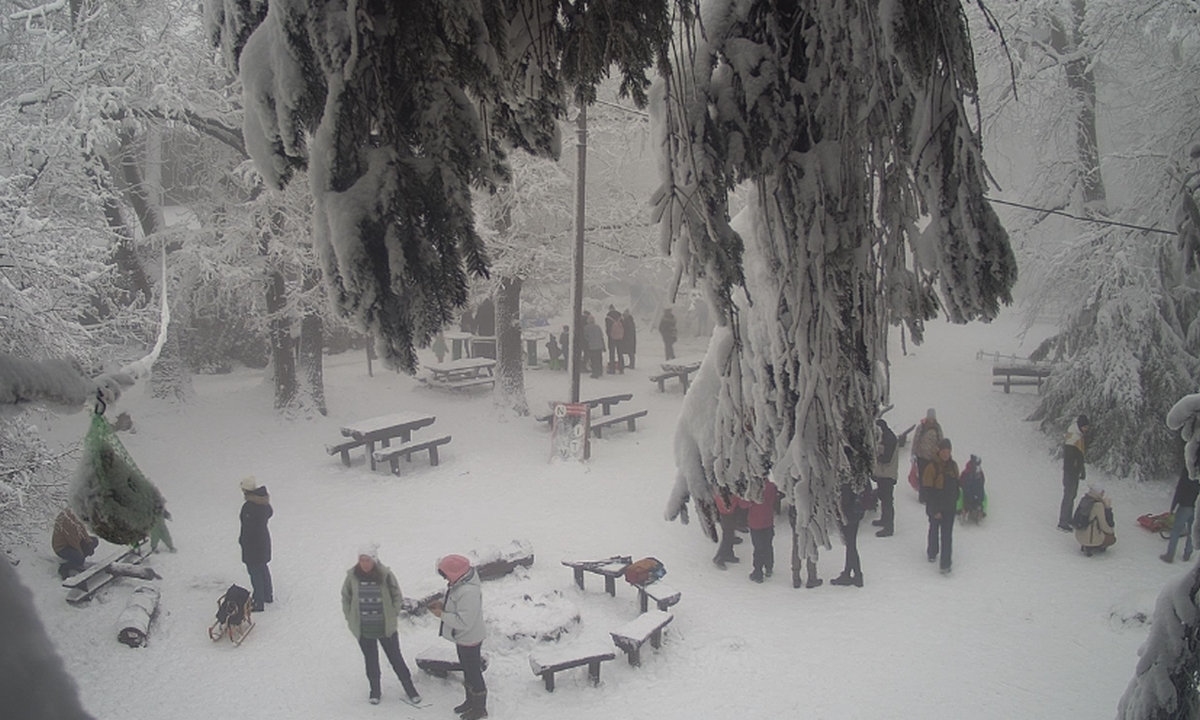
point(610, 585)
point(371, 453)
point(578, 577)
point(594, 671)
point(548, 677)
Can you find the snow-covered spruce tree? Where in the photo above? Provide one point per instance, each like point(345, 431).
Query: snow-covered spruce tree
point(1164, 685)
point(396, 108)
point(851, 120)
point(1130, 343)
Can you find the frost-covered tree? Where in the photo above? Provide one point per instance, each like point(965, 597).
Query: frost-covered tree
point(1129, 344)
point(1164, 685)
point(855, 123)
point(396, 109)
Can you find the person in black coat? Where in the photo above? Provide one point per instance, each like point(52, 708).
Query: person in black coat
point(940, 482)
point(255, 540)
point(852, 513)
point(628, 346)
point(1183, 504)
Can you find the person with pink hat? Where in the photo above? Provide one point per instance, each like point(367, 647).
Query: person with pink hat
point(461, 612)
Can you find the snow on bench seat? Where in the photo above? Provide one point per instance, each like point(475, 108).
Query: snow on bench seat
point(648, 626)
point(546, 661)
point(663, 595)
point(393, 454)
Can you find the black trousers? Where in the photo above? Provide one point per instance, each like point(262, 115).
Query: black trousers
point(887, 494)
point(764, 549)
point(1070, 490)
point(850, 536)
point(942, 528)
point(391, 648)
point(471, 659)
point(596, 360)
point(728, 528)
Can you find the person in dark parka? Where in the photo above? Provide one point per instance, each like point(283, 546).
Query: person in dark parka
point(940, 482)
point(1074, 447)
point(1183, 504)
point(628, 346)
point(255, 540)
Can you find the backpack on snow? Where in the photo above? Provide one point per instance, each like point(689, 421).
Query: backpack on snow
point(644, 571)
point(1083, 513)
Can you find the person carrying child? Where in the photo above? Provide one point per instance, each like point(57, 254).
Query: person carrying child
point(461, 612)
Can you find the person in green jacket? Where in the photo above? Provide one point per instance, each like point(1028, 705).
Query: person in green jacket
point(370, 601)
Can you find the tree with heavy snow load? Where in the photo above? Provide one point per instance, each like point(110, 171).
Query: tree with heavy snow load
point(854, 124)
point(1164, 685)
point(395, 110)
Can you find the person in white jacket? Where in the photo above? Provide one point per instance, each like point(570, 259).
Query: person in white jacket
point(1099, 533)
point(461, 612)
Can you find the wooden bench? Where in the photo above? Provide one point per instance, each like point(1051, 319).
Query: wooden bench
point(393, 454)
point(630, 419)
point(442, 659)
point(663, 595)
point(464, 383)
point(604, 403)
point(82, 586)
point(344, 448)
point(1029, 375)
point(648, 626)
point(610, 569)
point(673, 370)
point(549, 660)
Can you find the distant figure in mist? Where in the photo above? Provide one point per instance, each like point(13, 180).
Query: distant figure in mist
point(614, 328)
point(485, 318)
point(628, 346)
point(466, 321)
point(593, 336)
point(669, 329)
point(555, 353)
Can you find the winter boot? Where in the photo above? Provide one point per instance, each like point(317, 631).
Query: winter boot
point(466, 703)
point(478, 709)
point(843, 579)
point(886, 532)
point(858, 581)
point(813, 580)
point(756, 576)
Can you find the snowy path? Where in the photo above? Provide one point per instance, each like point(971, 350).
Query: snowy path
point(1024, 628)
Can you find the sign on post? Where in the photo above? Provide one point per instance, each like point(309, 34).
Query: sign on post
point(569, 435)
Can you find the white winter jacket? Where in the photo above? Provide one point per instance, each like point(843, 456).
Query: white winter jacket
point(462, 611)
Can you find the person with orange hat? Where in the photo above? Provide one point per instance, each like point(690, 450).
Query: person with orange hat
point(461, 611)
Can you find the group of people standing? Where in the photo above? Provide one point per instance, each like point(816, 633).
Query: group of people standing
point(371, 601)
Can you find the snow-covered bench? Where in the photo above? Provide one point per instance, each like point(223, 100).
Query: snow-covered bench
point(393, 454)
point(344, 447)
point(84, 585)
point(442, 659)
point(629, 419)
point(1009, 375)
point(663, 595)
point(548, 660)
point(648, 626)
point(609, 568)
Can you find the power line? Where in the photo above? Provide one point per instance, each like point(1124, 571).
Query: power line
point(1098, 221)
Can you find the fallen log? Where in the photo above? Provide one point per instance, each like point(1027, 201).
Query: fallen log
point(133, 625)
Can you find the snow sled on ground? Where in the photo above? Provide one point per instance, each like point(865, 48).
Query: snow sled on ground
point(1160, 523)
point(233, 616)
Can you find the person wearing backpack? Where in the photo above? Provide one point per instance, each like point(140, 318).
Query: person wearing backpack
point(1184, 507)
point(1074, 446)
point(1093, 521)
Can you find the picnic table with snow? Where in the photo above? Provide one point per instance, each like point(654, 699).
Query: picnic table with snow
point(605, 402)
point(382, 430)
point(609, 568)
point(676, 369)
point(462, 374)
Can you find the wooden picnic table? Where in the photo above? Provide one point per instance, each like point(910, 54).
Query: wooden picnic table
point(605, 403)
point(384, 428)
point(464, 369)
point(678, 369)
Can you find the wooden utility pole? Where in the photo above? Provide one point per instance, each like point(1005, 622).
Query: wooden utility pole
point(577, 339)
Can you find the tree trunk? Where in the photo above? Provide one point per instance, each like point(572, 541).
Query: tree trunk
point(312, 342)
point(510, 358)
point(1067, 42)
point(283, 358)
point(170, 378)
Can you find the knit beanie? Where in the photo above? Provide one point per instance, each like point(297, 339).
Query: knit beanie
point(453, 567)
point(944, 444)
point(249, 484)
point(369, 549)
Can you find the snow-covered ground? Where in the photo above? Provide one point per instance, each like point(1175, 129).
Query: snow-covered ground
point(1025, 627)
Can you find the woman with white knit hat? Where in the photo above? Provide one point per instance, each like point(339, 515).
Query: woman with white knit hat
point(371, 602)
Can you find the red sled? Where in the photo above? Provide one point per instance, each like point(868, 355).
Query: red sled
point(1160, 523)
